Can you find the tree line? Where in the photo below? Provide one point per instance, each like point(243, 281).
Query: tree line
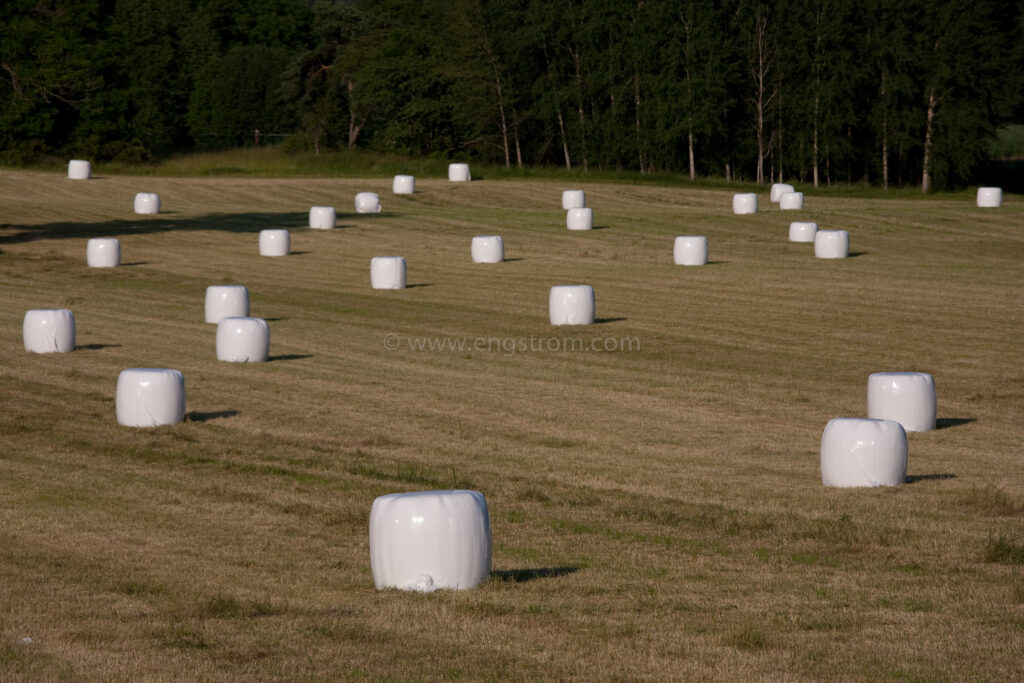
point(817, 91)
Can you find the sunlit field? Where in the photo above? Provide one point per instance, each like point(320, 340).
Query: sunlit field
point(653, 479)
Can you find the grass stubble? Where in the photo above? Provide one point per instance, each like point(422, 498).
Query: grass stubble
point(656, 512)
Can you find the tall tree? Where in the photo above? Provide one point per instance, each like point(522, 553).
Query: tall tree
point(237, 98)
point(480, 74)
point(318, 85)
point(47, 72)
point(150, 53)
point(550, 89)
point(965, 56)
point(891, 54)
point(757, 27)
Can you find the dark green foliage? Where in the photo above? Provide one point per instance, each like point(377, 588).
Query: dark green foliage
point(844, 88)
point(237, 94)
point(46, 74)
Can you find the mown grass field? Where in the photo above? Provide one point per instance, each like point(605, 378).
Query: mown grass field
point(657, 511)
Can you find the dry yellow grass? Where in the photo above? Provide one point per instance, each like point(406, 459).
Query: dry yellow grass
point(656, 512)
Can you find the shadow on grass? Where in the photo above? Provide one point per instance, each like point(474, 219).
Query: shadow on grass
point(96, 347)
point(420, 284)
point(289, 356)
point(524, 575)
point(855, 254)
point(914, 478)
point(206, 417)
point(133, 264)
point(702, 265)
point(947, 422)
point(602, 321)
point(225, 222)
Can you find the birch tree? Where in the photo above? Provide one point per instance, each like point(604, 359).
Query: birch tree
point(760, 53)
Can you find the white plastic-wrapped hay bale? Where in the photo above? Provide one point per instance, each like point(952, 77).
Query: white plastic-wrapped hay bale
point(367, 202)
point(403, 184)
point(150, 397)
point(103, 252)
point(79, 169)
point(802, 231)
point(580, 219)
point(487, 249)
point(243, 340)
point(322, 217)
point(573, 199)
point(571, 305)
point(49, 330)
point(863, 452)
point(147, 203)
point(430, 540)
point(226, 301)
point(744, 203)
point(690, 250)
point(387, 272)
point(831, 244)
point(904, 397)
point(778, 189)
point(276, 242)
point(990, 197)
point(791, 201)
point(458, 173)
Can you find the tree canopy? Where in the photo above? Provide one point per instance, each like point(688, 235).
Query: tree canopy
point(818, 91)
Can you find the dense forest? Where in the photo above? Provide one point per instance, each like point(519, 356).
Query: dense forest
point(891, 92)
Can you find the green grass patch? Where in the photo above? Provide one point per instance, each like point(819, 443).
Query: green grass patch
point(990, 500)
point(749, 637)
point(280, 161)
point(1004, 549)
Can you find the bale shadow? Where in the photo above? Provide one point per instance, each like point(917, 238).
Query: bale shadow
point(134, 263)
point(299, 253)
point(602, 321)
point(305, 227)
point(855, 254)
point(947, 422)
point(420, 284)
point(524, 575)
point(289, 356)
point(512, 260)
point(914, 478)
point(218, 222)
point(96, 347)
point(196, 416)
